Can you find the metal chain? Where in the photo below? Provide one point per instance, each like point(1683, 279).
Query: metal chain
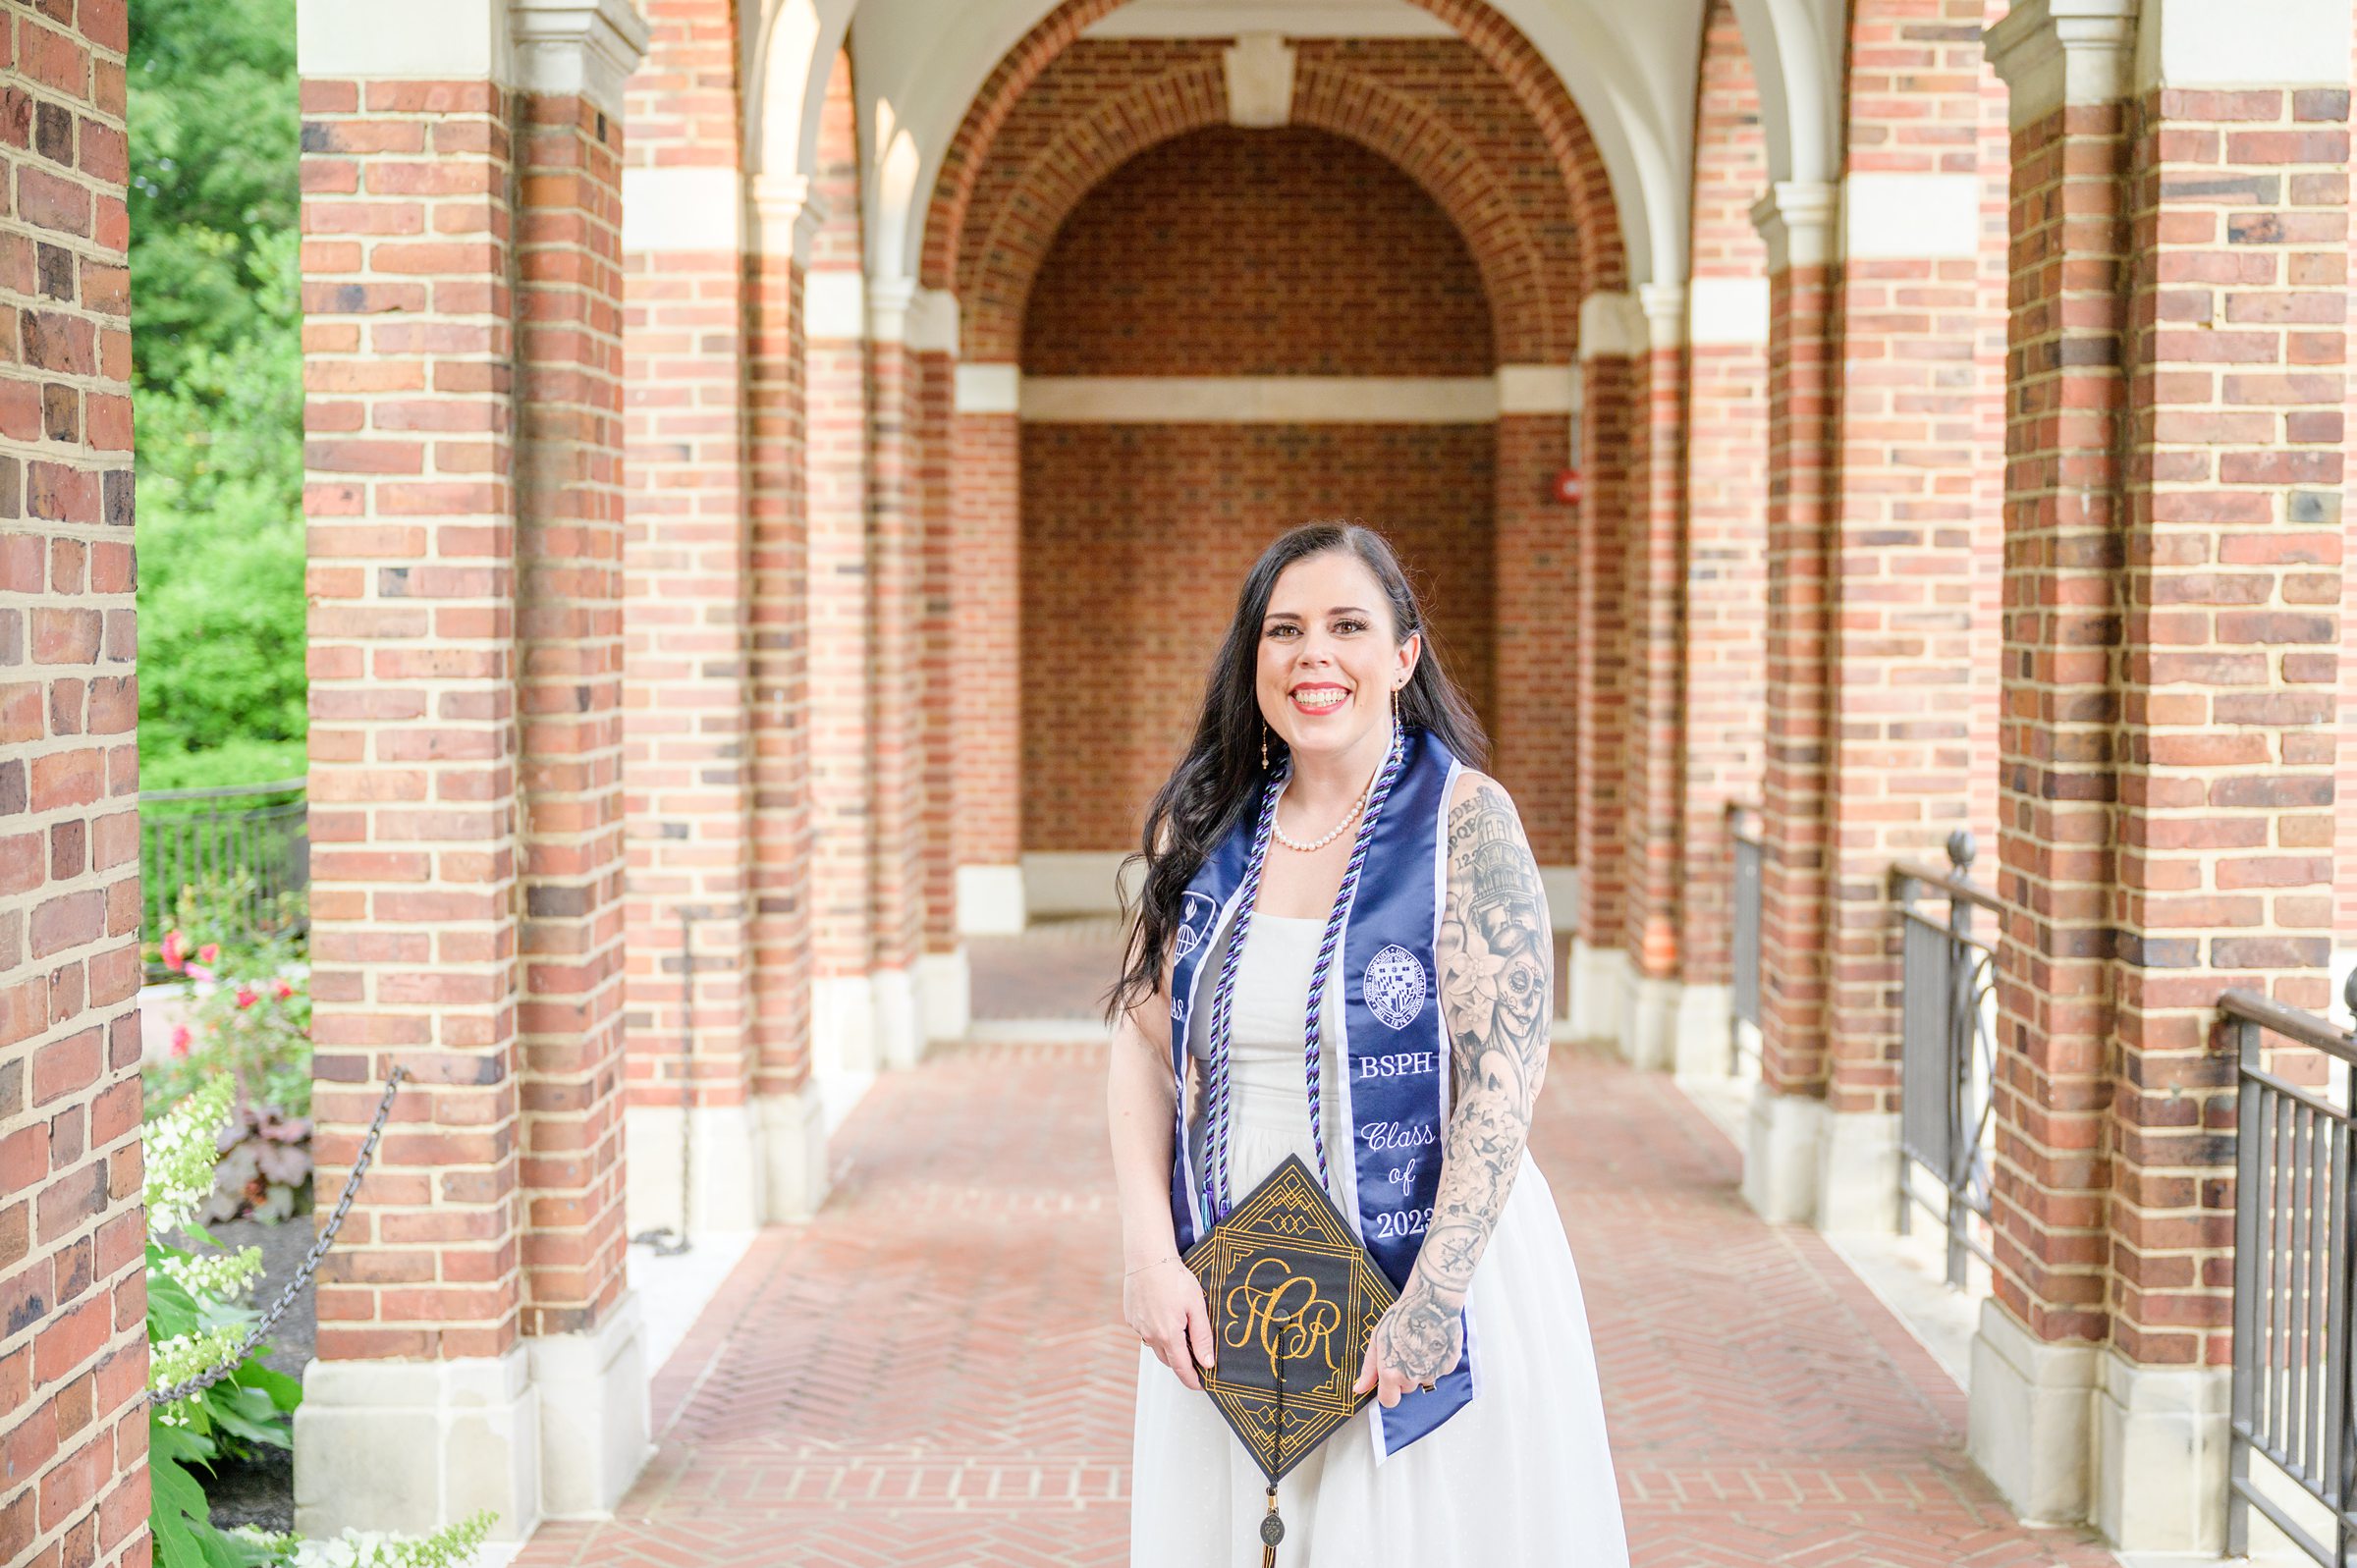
point(310, 1260)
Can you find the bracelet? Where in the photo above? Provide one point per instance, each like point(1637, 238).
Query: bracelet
point(1156, 1264)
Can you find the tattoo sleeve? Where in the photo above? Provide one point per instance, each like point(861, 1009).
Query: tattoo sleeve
point(1496, 955)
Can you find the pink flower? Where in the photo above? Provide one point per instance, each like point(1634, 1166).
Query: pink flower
point(281, 990)
point(211, 952)
point(247, 998)
point(179, 1039)
point(176, 951)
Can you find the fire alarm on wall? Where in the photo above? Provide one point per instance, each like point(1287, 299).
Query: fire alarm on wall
point(1568, 486)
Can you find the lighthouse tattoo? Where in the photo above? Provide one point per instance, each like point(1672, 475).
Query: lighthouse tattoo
point(1496, 956)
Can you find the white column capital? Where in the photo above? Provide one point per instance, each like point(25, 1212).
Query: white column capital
point(786, 212)
point(2057, 52)
point(1795, 217)
point(888, 303)
point(584, 47)
point(1665, 307)
point(1611, 326)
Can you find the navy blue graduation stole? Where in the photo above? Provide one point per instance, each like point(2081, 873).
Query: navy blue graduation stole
point(1393, 1048)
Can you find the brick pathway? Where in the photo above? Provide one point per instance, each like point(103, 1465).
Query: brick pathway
point(934, 1372)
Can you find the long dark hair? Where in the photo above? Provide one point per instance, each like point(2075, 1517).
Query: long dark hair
point(1220, 778)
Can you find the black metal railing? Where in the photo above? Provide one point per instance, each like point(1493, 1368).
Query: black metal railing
point(1947, 1052)
point(247, 846)
point(2292, 1283)
point(1743, 903)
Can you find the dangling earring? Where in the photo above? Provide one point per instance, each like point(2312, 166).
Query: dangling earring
point(1264, 748)
point(1394, 707)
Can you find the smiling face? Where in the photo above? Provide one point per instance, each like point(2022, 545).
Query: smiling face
point(1330, 656)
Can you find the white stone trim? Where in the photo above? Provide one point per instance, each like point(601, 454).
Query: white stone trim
point(1781, 1155)
point(1726, 310)
point(933, 322)
point(726, 1182)
point(2027, 1426)
point(794, 1151)
point(1538, 389)
point(437, 40)
point(1074, 882)
point(1664, 306)
point(1612, 325)
point(1291, 19)
point(1259, 67)
point(1933, 216)
point(410, 1446)
point(900, 1020)
point(945, 983)
point(584, 47)
point(1796, 220)
point(835, 306)
point(842, 1037)
point(989, 388)
point(1560, 885)
point(2158, 1465)
point(2234, 43)
point(595, 1424)
point(682, 209)
point(1260, 400)
point(2057, 52)
point(785, 213)
point(990, 900)
point(1701, 1032)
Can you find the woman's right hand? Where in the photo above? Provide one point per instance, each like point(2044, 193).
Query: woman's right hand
point(1163, 1303)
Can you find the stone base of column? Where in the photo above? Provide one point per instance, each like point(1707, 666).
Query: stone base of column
point(728, 1175)
point(2159, 1456)
point(946, 980)
point(1699, 1032)
point(594, 1418)
point(991, 901)
point(1857, 1172)
point(843, 1028)
point(1780, 1155)
point(1649, 1023)
point(794, 1152)
point(411, 1446)
point(900, 1020)
point(1600, 984)
point(2029, 1412)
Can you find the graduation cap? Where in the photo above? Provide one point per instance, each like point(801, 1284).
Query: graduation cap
point(1293, 1297)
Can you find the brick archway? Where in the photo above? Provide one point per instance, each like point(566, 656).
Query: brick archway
point(1603, 256)
point(994, 279)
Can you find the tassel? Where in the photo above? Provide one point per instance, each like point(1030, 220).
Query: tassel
point(1272, 1530)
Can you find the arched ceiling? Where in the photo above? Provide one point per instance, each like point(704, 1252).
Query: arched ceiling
point(1631, 69)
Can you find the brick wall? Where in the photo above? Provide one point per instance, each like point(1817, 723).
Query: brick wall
point(1258, 253)
point(1134, 540)
point(1599, 651)
point(72, 1346)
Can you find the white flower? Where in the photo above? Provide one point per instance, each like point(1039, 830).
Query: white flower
point(180, 1149)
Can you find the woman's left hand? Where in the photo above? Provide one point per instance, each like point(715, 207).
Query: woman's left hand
point(1414, 1343)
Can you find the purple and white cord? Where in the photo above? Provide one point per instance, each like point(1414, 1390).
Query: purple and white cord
point(1216, 1200)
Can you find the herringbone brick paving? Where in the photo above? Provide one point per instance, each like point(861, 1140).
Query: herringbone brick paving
point(934, 1370)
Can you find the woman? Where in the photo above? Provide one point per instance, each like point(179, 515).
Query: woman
point(1327, 725)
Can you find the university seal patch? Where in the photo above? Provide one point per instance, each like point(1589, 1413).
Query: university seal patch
point(1395, 987)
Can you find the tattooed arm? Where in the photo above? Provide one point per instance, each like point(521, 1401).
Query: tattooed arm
point(1496, 955)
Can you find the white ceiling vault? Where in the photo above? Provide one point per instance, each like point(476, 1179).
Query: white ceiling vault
point(1629, 65)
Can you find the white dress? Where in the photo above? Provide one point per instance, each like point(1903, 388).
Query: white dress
point(1522, 1474)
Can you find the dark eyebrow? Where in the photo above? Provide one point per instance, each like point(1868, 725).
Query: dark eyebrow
point(1339, 610)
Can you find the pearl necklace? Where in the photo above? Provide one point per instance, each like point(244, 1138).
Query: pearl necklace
point(1349, 817)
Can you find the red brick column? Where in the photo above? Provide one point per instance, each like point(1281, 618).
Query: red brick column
point(896, 754)
point(687, 578)
point(2172, 635)
point(1537, 549)
point(462, 365)
point(944, 986)
point(1611, 340)
point(792, 1125)
point(1780, 1175)
point(73, 1348)
point(986, 602)
point(1721, 692)
point(1650, 579)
